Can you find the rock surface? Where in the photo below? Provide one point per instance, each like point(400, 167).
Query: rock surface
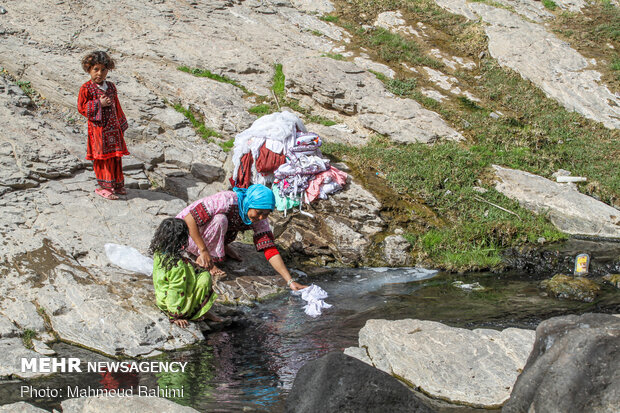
point(572, 288)
point(100, 404)
point(568, 209)
point(472, 367)
point(341, 230)
point(339, 383)
point(574, 367)
point(21, 407)
point(396, 251)
point(351, 90)
point(541, 57)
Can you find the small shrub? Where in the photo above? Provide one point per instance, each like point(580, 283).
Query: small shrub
point(27, 88)
point(549, 4)
point(27, 338)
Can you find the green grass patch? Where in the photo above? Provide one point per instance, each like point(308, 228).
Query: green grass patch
point(27, 337)
point(278, 82)
point(329, 18)
point(549, 4)
point(335, 56)
point(399, 87)
point(261, 110)
point(320, 120)
point(214, 76)
point(198, 124)
point(443, 176)
point(227, 145)
point(615, 67)
point(393, 48)
point(317, 33)
point(468, 103)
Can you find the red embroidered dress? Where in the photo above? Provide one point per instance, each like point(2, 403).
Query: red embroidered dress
point(105, 124)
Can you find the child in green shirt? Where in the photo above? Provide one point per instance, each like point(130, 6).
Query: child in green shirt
point(182, 291)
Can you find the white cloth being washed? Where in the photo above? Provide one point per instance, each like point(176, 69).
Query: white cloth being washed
point(314, 295)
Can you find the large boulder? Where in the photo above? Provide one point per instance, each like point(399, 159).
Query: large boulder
point(339, 383)
point(471, 367)
point(341, 229)
point(574, 367)
point(568, 209)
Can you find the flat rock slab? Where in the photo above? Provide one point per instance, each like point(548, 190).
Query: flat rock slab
point(472, 367)
point(21, 407)
point(352, 90)
point(541, 57)
point(123, 405)
point(568, 209)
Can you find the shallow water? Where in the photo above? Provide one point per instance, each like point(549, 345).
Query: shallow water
point(252, 367)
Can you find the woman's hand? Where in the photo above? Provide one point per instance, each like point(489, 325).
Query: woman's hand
point(295, 286)
point(105, 101)
point(204, 260)
point(181, 323)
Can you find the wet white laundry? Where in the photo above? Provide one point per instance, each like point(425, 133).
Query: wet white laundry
point(314, 295)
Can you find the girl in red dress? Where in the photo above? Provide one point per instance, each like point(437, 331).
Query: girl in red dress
point(98, 102)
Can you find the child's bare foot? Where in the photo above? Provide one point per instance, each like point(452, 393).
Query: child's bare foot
point(230, 252)
point(217, 273)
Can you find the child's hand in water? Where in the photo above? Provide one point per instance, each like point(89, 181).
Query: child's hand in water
point(181, 323)
point(105, 101)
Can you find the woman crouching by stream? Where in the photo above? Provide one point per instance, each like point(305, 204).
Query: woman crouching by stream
point(182, 291)
point(215, 220)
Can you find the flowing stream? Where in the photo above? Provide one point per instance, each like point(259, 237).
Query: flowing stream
point(251, 367)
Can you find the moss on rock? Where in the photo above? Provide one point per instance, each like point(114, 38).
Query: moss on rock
point(572, 288)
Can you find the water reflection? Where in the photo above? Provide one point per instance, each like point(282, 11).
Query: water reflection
point(253, 366)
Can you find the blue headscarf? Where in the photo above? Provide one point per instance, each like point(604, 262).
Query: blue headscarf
point(255, 196)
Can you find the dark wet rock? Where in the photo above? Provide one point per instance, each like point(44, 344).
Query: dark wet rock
point(339, 383)
point(613, 279)
point(560, 257)
point(574, 367)
point(572, 288)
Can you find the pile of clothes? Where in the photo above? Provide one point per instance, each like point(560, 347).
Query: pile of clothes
point(277, 149)
point(259, 150)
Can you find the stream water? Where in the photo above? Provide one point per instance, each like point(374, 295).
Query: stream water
point(251, 367)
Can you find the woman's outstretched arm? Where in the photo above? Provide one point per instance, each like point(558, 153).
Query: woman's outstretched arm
point(278, 264)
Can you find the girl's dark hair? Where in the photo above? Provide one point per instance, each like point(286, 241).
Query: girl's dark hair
point(96, 58)
point(170, 240)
